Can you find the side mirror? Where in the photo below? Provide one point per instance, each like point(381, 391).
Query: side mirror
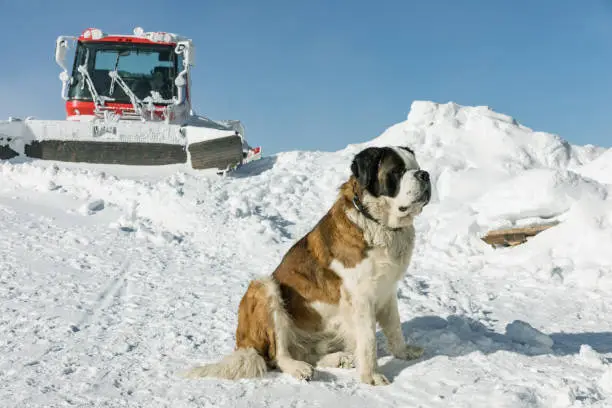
point(186, 49)
point(61, 48)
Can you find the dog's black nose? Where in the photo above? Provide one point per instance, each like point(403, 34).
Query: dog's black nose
point(422, 175)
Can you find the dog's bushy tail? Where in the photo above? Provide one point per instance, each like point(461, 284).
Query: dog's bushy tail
point(242, 363)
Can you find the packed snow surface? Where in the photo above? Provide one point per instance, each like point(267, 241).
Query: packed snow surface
point(114, 280)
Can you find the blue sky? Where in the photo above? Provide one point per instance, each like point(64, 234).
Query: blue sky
point(319, 75)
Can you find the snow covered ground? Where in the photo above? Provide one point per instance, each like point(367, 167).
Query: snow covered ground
point(114, 280)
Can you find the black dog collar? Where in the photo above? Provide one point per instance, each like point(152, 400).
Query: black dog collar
point(360, 207)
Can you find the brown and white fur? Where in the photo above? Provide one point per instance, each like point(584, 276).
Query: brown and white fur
point(322, 303)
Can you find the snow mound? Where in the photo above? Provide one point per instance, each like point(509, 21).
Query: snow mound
point(503, 171)
point(543, 193)
point(463, 137)
point(599, 169)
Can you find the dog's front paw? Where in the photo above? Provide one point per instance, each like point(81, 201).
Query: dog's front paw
point(408, 352)
point(303, 371)
point(298, 369)
point(374, 379)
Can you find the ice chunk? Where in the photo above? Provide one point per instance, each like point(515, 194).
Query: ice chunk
point(522, 332)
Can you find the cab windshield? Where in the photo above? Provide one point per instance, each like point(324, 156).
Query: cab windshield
point(148, 70)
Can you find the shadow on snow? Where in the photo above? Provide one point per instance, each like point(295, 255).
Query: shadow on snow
point(459, 335)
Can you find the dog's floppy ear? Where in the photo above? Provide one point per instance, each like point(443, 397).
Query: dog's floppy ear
point(408, 149)
point(365, 168)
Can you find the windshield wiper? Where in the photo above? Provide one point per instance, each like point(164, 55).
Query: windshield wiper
point(97, 99)
point(112, 85)
point(137, 103)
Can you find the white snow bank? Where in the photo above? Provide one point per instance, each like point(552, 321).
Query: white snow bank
point(599, 169)
point(543, 193)
point(504, 171)
point(115, 279)
point(464, 137)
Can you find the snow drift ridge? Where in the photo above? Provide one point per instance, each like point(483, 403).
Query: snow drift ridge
point(477, 137)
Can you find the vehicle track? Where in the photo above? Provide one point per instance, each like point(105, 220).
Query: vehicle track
point(115, 292)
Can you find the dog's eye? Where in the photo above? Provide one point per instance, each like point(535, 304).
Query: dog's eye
point(403, 209)
point(392, 183)
point(397, 175)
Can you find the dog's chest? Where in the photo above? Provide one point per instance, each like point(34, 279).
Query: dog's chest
point(376, 276)
point(373, 280)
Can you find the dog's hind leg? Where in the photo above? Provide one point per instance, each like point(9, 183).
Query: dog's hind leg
point(254, 340)
point(285, 335)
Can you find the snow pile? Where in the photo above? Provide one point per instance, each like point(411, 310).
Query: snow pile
point(490, 160)
point(544, 193)
point(477, 137)
point(116, 278)
point(599, 169)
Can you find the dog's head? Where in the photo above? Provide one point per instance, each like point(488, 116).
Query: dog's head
point(393, 187)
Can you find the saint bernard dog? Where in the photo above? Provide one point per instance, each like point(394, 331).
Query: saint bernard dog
point(321, 305)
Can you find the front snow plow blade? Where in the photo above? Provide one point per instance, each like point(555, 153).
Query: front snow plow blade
point(201, 144)
point(222, 153)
